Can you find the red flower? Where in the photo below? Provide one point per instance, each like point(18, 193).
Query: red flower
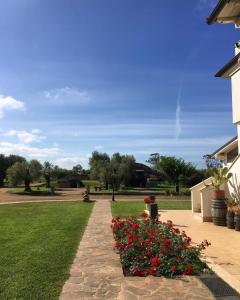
point(129, 235)
point(188, 271)
point(135, 226)
point(147, 200)
point(173, 268)
point(152, 272)
point(167, 243)
point(137, 272)
point(116, 226)
point(155, 261)
point(149, 253)
point(184, 246)
point(144, 214)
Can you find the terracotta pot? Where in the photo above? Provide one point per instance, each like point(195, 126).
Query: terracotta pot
point(219, 194)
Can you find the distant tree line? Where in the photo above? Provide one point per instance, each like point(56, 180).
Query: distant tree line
point(116, 169)
point(179, 172)
point(15, 170)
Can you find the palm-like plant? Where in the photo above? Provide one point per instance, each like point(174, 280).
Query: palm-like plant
point(220, 177)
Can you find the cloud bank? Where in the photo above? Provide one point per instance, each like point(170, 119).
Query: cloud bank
point(27, 137)
point(26, 150)
point(9, 103)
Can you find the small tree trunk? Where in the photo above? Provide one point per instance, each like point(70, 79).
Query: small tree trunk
point(106, 185)
point(27, 185)
point(47, 182)
point(177, 186)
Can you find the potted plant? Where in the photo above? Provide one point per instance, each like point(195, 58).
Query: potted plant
point(219, 207)
point(148, 201)
point(86, 197)
point(237, 218)
point(236, 196)
point(231, 207)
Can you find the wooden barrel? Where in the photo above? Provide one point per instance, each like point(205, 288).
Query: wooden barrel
point(230, 219)
point(219, 212)
point(237, 222)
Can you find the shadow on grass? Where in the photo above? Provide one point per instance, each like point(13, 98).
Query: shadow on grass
point(35, 193)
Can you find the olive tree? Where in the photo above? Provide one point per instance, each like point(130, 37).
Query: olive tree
point(48, 172)
point(24, 172)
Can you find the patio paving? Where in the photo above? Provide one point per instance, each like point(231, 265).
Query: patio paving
point(96, 272)
point(224, 253)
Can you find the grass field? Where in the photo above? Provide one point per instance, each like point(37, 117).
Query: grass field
point(35, 191)
point(142, 191)
point(37, 245)
point(134, 208)
point(90, 183)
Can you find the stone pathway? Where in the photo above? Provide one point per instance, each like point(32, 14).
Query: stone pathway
point(96, 272)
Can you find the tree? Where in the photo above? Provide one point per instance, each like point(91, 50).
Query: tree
point(24, 172)
point(211, 163)
point(5, 163)
point(153, 160)
point(77, 170)
point(127, 170)
point(3, 168)
point(175, 169)
point(48, 172)
point(103, 168)
point(100, 167)
point(59, 172)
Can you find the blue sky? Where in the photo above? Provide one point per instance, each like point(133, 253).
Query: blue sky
point(132, 76)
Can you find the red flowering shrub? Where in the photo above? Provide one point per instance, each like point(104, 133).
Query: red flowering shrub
point(150, 199)
point(150, 247)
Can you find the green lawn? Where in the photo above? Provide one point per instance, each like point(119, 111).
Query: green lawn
point(90, 183)
point(134, 208)
point(35, 191)
point(142, 191)
point(38, 243)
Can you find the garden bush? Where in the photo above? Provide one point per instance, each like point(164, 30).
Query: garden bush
point(151, 247)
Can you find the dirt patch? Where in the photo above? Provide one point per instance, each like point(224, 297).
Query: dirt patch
point(70, 194)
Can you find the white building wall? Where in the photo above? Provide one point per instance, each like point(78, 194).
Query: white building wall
point(234, 182)
point(236, 97)
point(236, 91)
point(238, 130)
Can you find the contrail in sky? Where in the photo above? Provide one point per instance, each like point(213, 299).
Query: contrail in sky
point(178, 127)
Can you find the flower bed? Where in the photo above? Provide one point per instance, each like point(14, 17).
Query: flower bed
point(149, 247)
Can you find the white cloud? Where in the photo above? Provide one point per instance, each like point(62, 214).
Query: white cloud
point(69, 162)
point(27, 137)
point(9, 103)
point(66, 95)
point(26, 150)
point(98, 147)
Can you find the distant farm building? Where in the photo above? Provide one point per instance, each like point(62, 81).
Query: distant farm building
point(145, 176)
point(71, 181)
